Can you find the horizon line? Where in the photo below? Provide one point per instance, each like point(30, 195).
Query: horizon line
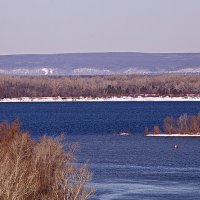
point(98, 52)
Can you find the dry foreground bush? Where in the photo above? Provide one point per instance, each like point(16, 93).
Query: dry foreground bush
point(42, 169)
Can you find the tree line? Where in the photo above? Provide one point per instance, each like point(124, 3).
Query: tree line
point(185, 124)
point(99, 86)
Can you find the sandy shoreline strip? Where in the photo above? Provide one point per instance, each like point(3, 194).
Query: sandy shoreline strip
point(90, 99)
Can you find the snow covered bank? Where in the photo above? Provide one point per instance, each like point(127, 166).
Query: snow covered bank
point(173, 135)
point(98, 99)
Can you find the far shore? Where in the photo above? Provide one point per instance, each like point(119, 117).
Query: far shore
point(99, 99)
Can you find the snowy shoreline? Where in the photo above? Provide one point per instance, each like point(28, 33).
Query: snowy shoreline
point(98, 99)
point(173, 135)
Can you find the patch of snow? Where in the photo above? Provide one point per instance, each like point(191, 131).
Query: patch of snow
point(186, 70)
point(98, 99)
point(29, 71)
point(47, 71)
point(173, 135)
point(136, 70)
point(90, 71)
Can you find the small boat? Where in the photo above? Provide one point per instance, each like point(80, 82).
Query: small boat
point(123, 134)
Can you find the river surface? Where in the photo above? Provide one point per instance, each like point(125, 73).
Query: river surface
point(125, 167)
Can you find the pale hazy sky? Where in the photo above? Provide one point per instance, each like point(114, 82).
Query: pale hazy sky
point(57, 26)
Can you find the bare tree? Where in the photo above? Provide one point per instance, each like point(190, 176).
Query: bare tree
point(169, 125)
point(183, 124)
point(146, 131)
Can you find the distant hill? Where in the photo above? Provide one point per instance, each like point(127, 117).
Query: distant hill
point(100, 63)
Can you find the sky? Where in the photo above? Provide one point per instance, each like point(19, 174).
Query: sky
point(72, 26)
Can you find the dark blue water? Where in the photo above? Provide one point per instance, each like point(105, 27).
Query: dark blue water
point(130, 167)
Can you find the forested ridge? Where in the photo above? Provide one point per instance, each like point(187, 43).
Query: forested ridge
point(99, 86)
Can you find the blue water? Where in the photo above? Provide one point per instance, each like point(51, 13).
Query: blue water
point(132, 167)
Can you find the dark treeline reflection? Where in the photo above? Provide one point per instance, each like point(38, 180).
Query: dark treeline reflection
point(99, 86)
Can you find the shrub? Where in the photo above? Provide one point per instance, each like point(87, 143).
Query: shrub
point(44, 169)
point(156, 130)
point(146, 131)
